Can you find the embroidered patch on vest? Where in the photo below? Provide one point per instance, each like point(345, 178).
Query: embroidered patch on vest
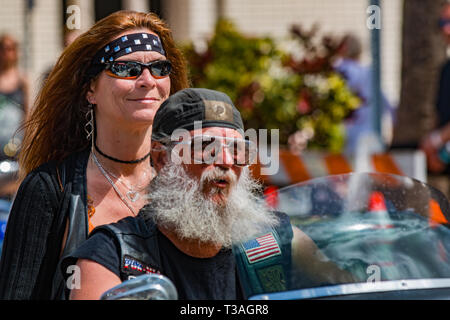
point(131, 264)
point(272, 279)
point(261, 248)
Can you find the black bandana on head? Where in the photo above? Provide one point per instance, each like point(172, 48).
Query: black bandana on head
point(123, 46)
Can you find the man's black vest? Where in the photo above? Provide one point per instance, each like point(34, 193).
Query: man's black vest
point(268, 272)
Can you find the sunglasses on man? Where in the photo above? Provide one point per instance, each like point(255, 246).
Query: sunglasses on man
point(205, 149)
point(133, 69)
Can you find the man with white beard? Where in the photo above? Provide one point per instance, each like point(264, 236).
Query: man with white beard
point(217, 208)
point(202, 202)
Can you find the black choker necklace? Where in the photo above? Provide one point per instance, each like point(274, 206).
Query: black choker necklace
point(121, 161)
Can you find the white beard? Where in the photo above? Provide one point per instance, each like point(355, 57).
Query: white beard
point(177, 203)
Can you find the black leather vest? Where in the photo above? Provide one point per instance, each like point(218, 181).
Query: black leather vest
point(73, 208)
point(139, 248)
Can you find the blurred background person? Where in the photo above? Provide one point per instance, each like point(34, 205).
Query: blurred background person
point(13, 83)
point(14, 107)
point(359, 78)
point(438, 157)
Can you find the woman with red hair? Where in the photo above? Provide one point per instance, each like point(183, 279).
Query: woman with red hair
point(85, 154)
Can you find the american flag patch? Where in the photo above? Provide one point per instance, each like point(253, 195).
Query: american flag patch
point(133, 264)
point(261, 248)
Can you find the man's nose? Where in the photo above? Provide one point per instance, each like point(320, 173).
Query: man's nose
point(224, 157)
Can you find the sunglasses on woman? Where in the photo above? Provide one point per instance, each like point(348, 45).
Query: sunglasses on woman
point(133, 69)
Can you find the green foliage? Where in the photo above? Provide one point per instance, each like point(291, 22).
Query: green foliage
point(271, 88)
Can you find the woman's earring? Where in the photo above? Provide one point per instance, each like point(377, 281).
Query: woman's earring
point(89, 126)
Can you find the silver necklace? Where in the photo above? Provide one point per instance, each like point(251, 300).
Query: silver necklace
point(105, 174)
point(133, 194)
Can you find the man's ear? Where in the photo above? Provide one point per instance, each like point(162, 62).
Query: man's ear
point(158, 155)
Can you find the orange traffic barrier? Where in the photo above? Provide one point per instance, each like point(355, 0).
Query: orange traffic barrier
point(337, 164)
point(436, 216)
point(294, 166)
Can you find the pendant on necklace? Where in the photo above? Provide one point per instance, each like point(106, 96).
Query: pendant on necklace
point(133, 195)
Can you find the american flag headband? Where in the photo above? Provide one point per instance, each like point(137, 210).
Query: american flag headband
point(123, 46)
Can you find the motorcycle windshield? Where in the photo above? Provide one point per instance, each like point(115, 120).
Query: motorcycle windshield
point(351, 234)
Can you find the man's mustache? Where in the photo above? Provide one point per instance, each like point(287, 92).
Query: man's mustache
point(218, 174)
